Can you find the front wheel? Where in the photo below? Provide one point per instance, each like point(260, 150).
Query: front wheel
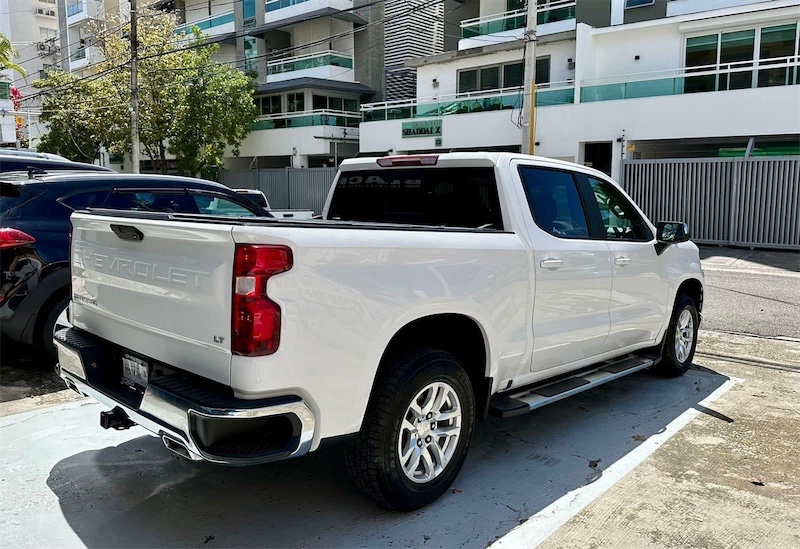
point(416, 432)
point(680, 341)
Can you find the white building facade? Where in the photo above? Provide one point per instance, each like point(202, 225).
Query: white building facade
point(32, 28)
point(702, 79)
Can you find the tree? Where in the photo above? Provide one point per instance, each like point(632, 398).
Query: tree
point(7, 55)
point(80, 120)
point(189, 105)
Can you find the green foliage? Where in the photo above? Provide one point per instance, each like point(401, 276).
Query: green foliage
point(189, 106)
point(79, 121)
point(7, 55)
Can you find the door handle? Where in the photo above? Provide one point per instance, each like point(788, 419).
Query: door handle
point(622, 261)
point(550, 263)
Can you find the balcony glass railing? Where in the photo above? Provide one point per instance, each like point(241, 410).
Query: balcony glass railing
point(207, 23)
point(773, 72)
point(314, 60)
point(74, 9)
point(306, 119)
point(494, 100)
point(516, 19)
point(79, 54)
point(273, 5)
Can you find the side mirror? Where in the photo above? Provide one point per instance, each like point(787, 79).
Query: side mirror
point(671, 232)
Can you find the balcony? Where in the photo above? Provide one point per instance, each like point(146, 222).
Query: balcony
point(219, 23)
point(306, 119)
point(557, 93)
point(328, 64)
point(783, 71)
point(551, 18)
point(82, 56)
point(289, 9)
point(75, 9)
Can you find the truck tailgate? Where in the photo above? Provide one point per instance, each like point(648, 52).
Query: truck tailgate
point(159, 289)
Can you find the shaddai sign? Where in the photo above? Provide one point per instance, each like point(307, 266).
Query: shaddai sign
point(422, 128)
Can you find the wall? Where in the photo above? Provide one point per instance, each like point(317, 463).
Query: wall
point(596, 13)
point(613, 53)
point(369, 50)
point(561, 129)
point(496, 129)
point(681, 7)
point(284, 142)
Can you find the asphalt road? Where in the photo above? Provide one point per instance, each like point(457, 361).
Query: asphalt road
point(747, 302)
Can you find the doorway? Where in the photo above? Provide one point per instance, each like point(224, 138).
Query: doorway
point(598, 156)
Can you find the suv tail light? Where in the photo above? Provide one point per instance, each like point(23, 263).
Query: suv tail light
point(256, 322)
point(11, 238)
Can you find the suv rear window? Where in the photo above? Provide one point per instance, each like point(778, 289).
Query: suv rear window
point(437, 197)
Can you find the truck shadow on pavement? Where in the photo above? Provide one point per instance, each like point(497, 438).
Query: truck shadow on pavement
point(138, 494)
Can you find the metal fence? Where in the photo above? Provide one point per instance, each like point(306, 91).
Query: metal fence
point(733, 201)
point(286, 188)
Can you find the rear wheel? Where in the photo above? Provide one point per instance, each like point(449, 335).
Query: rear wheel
point(680, 341)
point(416, 432)
point(44, 338)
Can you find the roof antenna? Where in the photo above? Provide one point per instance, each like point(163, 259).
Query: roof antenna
point(34, 171)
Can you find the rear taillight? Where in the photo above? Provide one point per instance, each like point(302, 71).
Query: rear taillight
point(256, 322)
point(11, 238)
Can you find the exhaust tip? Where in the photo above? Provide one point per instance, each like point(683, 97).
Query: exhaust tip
point(178, 447)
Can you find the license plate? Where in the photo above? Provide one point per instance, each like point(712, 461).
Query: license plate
point(134, 370)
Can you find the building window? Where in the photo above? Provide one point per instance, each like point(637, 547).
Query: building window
point(741, 59)
point(5, 90)
point(493, 77)
point(351, 105)
point(777, 43)
point(325, 102)
point(46, 33)
point(295, 102)
point(542, 70)
point(271, 105)
point(638, 3)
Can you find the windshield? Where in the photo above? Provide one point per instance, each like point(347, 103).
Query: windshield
point(438, 197)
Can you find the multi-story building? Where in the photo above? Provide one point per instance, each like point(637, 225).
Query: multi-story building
point(32, 28)
point(614, 79)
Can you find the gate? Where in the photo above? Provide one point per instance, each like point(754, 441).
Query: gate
point(286, 188)
point(732, 201)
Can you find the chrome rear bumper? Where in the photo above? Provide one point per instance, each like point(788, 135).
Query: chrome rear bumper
point(181, 421)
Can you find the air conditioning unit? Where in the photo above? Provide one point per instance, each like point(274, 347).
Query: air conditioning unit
point(51, 13)
point(40, 11)
point(42, 46)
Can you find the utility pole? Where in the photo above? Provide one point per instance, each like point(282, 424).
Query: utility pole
point(134, 91)
point(529, 97)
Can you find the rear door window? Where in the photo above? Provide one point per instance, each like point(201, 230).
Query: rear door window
point(82, 200)
point(437, 197)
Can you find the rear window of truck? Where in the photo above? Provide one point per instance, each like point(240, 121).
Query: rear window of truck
point(437, 197)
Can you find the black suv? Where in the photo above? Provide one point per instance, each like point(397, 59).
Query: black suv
point(35, 228)
point(15, 161)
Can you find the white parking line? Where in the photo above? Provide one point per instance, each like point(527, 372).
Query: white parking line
point(543, 524)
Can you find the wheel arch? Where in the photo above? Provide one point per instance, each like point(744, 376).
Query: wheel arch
point(456, 333)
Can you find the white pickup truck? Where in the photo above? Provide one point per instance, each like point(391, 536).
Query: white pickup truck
point(434, 291)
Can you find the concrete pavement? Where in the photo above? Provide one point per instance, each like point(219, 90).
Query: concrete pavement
point(66, 482)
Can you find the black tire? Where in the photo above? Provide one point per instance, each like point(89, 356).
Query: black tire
point(44, 335)
point(372, 460)
point(671, 364)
